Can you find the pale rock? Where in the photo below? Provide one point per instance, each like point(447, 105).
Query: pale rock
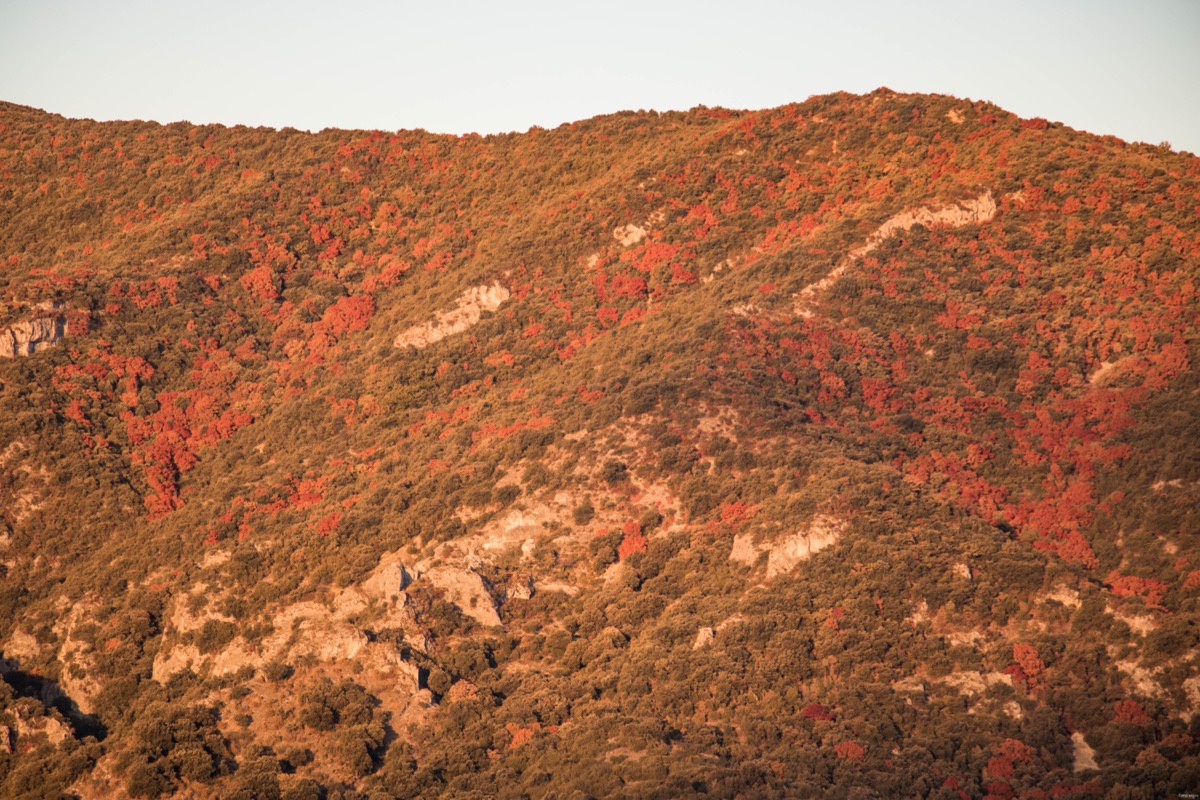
point(388, 580)
point(1104, 374)
point(467, 590)
point(962, 570)
point(172, 661)
point(467, 311)
point(520, 587)
point(821, 533)
point(28, 726)
point(912, 684)
point(1067, 596)
point(704, 637)
point(1138, 623)
point(557, 586)
point(1142, 678)
point(784, 554)
point(744, 550)
point(731, 620)
point(31, 336)
point(75, 657)
point(967, 212)
point(629, 235)
point(1012, 709)
point(215, 558)
point(1084, 756)
point(1191, 690)
point(971, 682)
point(21, 646)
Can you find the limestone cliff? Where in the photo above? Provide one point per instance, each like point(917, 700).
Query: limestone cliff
point(31, 336)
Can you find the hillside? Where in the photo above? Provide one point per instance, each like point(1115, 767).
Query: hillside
point(841, 449)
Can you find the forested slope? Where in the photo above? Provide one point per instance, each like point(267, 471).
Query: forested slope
point(846, 448)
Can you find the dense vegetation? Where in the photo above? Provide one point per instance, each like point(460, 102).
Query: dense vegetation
point(993, 422)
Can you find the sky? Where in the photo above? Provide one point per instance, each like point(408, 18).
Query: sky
point(1130, 69)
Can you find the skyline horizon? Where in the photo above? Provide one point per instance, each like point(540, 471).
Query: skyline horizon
point(601, 114)
point(1100, 67)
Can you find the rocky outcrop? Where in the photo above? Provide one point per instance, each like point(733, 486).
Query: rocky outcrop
point(967, 212)
point(783, 555)
point(629, 235)
point(388, 580)
point(467, 590)
point(1084, 755)
point(972, 682)
point(468, 310)
point(31, 336)
point(31, 725)
point(77, 657)
point(309, 630)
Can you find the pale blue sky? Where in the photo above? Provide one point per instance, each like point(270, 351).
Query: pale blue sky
point(1125, 68)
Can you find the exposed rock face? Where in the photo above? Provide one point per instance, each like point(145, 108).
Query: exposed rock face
point(468, 310)
point(77, 658)
point(629, 235)
point(21, 646)
point(970, 682)
point(744, 550)
point(466, 590)
point(1085, 756)
point(785, 554)
point(307, 629)
point(29, 726)
point(703, 637)
point(968, 212)
point(31, 336)
point(1191, 689)
point(1142, 678)
point(387, 580)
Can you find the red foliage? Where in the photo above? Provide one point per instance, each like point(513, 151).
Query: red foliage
point(521, 734)
point(999, 767)
point(1015, 750)
point(1130, 711)
point(736, 512)
point(261, 282)
point(633, 541)
point(816, 711)
point(1150, 590)
point(1028, 667)
point(329, 523)
point(851, 751)
point(998, 790)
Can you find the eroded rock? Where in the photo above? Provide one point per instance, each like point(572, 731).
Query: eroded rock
point(31, 336)
point(967, 212)
point(784, 554)
point(1084, 755)
point(467, 311)
point(467, 590)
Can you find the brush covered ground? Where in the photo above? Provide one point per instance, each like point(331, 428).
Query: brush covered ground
point(842, 449)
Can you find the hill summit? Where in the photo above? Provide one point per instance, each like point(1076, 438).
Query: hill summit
point(846, 448)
